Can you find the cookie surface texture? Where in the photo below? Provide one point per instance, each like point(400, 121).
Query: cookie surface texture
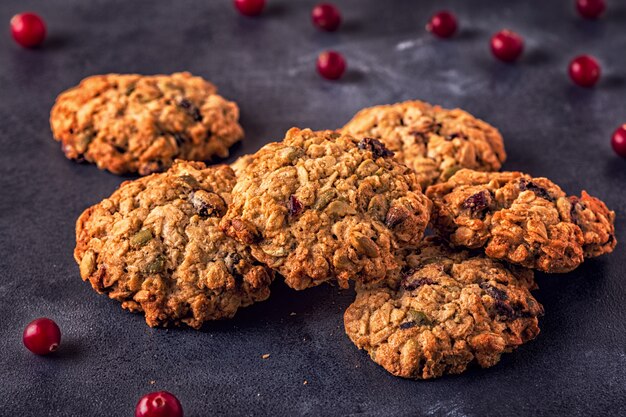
point(524, 220)
point(433, 141)
point(134, 123)
point(448, 309)
point(156, 246)
point(320, 206)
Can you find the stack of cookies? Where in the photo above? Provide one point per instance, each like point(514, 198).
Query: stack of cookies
point(193, 243)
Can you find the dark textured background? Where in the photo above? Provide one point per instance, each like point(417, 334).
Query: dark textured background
point(109, 357)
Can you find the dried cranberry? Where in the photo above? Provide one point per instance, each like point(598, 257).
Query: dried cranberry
point(525, 185)
point(477, 202)
point(295, 206)
point(376, 147)
point(573, 210)
point(411, 285)
point(191, 109)
point(180, 139)
point(207, 204)
point(494, 292)
point(232, 261)
point(504, 309)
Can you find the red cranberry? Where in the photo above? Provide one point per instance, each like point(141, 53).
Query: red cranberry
point(331, 65)
point(591, 9)
point(250, 7)
point(507, 45)
point(159, 404)
point(618, 141)
point(42, 336)
point(28, 29)
point(326, 16)
point(442, 24)
point(584, 70)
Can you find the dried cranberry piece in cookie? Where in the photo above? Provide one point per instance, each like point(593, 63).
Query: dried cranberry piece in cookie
point(525, 184)
point(378, 149)
point(295, 206)
point(191, 109)
point(477, 202)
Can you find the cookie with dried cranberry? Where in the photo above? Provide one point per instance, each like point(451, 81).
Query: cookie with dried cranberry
point(433, 141)
point(156, 246)
point(135, 123)
point(524, 220)
point(320, 206)
point(448, 309)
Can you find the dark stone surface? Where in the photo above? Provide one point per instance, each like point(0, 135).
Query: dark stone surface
point(109, 357)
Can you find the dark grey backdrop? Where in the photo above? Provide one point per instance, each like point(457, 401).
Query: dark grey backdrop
point(109, 358)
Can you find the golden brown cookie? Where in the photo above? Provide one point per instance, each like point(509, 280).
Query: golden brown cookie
point(136, 123)
point(156, 246)
point(321, 205)
point(433, 141)
point(448, 309)
point(524, 220)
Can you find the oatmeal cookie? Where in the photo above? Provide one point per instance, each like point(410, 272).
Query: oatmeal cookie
point(156, 246)
point(135, 123)
point(321, 205)
point(433, 141)
point(449, 309)
point(520, 219)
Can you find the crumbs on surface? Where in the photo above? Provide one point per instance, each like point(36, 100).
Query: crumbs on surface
point(265, 356)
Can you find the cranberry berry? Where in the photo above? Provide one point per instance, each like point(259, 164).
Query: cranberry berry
point(28, 29)
point(590, 9)
point(442, 24)
point(326, 17)
point(159, 404)
point(618, 141)
point(250, 7)
point(507, 45)
point(42, 336)
point(331, 65)
point(584, 70)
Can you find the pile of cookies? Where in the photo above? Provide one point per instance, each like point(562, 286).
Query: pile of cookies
point(191, 243)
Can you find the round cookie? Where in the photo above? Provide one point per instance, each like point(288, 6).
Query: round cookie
point(156, 246)
point(520, 219)
point(447, 310)
point(433, 141)
point(134, 123)
point(321, 205)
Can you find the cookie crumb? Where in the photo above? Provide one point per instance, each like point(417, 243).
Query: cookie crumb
point(152, 382)
point(305, 382)
point(292, 314)
point(265, 356)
